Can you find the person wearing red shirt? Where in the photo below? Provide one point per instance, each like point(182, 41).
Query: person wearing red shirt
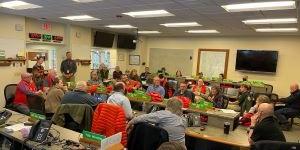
point(25, 87)
point(201, 90)
point(130, 84)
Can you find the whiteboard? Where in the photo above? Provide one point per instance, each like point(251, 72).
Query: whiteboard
point(212, 63)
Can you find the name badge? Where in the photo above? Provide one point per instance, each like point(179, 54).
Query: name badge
point(68, 71)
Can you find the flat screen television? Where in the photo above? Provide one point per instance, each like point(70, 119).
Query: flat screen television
point(255, 60)
point(126, 41)
point(102, 39)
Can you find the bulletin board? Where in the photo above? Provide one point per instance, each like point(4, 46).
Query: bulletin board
point(212, 62)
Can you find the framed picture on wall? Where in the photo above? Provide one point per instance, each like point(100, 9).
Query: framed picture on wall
point(121, 57)
point(134, 59)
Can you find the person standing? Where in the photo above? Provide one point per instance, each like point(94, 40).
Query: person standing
point(38, 73)
point(68, 68)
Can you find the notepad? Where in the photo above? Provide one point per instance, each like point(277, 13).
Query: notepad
point(228, 111)
point(17, 127)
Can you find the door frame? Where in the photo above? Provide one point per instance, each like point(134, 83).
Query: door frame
point(214, 50)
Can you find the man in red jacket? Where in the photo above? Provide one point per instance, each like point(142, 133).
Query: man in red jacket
point(25, 87)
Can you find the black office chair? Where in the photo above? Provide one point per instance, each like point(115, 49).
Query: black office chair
point(269, 88)
point(225, 102)
point(275, 145)
point(9, 94)
point(36, 104)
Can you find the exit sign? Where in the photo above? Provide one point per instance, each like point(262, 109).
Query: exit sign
point(46, 26)
point(46, 37)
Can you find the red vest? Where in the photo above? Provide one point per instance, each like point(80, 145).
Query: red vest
point(21, 97)
point(202, 90)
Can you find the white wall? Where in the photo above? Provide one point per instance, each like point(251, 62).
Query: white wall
point(11, 41)
point(288, 47)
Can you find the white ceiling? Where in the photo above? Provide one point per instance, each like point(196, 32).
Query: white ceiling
point(206, 12)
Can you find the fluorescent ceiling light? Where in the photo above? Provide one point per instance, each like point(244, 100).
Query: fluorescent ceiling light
point(126, 26)
point(276, 30)
point(149, 14)
point(80, 18)
point(19, 5)
point(149, 32)
point(278, 5)
point(202, 31)
point(86, 1)
point(182, 24)
point(272, 21)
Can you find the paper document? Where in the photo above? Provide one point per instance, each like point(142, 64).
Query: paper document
point(17, 127)
point(109, 141)
point(228, 111)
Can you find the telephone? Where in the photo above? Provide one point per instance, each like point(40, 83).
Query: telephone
point(4, 116)
point(39, 131)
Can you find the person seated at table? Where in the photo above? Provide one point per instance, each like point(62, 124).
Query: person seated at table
point(80, 96)
point(130, 85)
point(163, 71)
point(246, 119)
point(200, 75)
point(291, 109)
point(184, 92)
point(120, 99)
point(216, 97)
point(38, 73)
point(201, 90)
point(162, 80)
point(54, 97)
point(156, 87)
point(145, 75)
point(221, 77)
point(244, 99)
point(94, 80)
point(49, 79)
point(134, 75)
point(245, 78)
point(117, 73)
point(169, 119)
point(24, 88)
point(178, 73)
point(102, 72)
point(264, 126)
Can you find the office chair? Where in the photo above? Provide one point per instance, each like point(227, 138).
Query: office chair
point(9, 94)
point(36, 104)
point(275, 145)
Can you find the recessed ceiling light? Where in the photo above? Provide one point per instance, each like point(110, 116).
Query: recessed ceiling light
point(86, 1)
point(149, 32)
point(202, 31)
point(19, 5)
point(278, 5)
point(126, 26)
point(276, 30)
point(181, 24)
point(149, 14)
point(272, 21)
point(80, 18)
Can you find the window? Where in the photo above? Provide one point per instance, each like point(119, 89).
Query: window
point(98, 57)
point(52, 59)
